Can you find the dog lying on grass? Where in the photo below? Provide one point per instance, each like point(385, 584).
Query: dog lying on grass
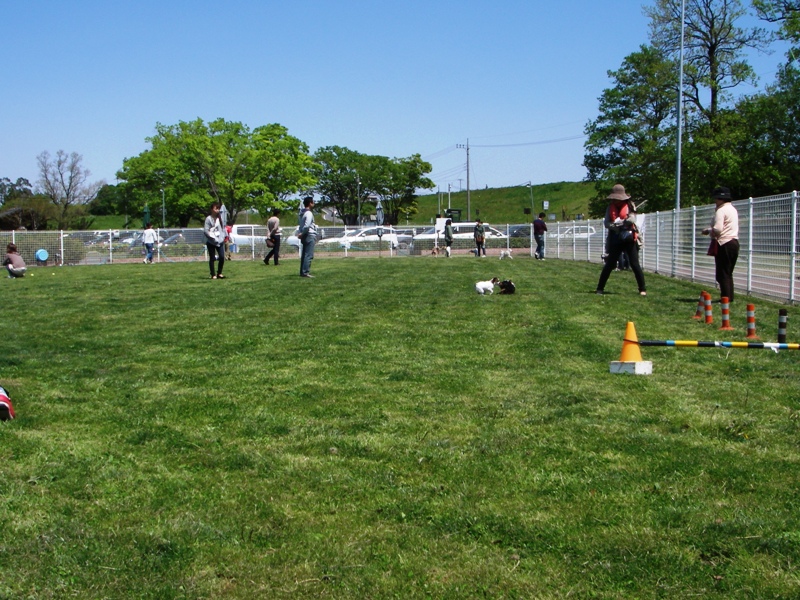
point(507, 287)
point(486, 286)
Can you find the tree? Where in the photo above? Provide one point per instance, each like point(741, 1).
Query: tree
point(343, 180)
point(397, 184)
point(21, 208)
point(65, 182)
point(632, 140)
point(785, 12)
point(713, 50)
point(197, 162)
point(347, 179)
point(770, 144)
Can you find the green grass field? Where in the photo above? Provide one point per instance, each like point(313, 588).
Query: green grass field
point(381, 431)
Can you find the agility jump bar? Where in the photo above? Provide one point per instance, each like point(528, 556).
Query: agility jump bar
point(701, 344)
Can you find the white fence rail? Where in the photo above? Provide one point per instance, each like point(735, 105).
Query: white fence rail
point(673, 245)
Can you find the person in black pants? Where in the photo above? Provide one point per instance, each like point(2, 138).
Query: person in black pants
point(724, 232)
point(274, 235)
point(620, 221)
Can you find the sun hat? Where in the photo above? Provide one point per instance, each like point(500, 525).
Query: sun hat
point(618, 193)
point(721, 193)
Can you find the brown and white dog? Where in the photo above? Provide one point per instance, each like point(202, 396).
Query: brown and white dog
point(486, 286)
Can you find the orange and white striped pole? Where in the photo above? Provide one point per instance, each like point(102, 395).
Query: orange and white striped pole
point(700, 305)
point(751, 321)
point(709, 311)
point(726, 314)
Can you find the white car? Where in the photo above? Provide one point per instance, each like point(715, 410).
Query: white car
point(248, 234)
point(367, 238)
point(462, 231)
point(578, 232)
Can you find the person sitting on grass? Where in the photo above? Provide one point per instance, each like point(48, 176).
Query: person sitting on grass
point(13, 262)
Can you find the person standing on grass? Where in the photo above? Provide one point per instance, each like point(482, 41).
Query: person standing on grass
point(620, 221)
point(724, 232)
point(215, 239)
point(480, 238)
point(448, 236)
point(539, 229)
point(149, 239)
point(274, 236)
point(308, 236)
point(13, 262)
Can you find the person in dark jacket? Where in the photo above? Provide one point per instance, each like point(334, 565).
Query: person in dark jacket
point(620, 221)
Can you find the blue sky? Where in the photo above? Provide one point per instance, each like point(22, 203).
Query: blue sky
point(518, 79)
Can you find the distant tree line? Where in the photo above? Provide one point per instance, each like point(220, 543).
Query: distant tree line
point(191, 164)
point(750, 144)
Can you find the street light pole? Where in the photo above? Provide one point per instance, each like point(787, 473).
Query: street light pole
point(163, 211)
point(358, 194)
point(530, 187)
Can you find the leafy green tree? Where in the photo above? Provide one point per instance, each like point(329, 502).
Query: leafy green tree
point(344, 180)
point(65, 182)
point(195, 163)
point(770, 145)
point(20, 207)
point(714, 48)
point(785, 12)
point(398, 183)
point(632, 140)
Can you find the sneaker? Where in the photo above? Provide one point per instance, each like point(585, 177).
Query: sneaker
point(309, 275)
point(643, 293)
point(144, 260)
point(599, 292)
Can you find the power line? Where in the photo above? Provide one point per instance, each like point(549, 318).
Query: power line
point(554, 141)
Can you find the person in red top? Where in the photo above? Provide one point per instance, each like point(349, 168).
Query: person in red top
point(622, 235)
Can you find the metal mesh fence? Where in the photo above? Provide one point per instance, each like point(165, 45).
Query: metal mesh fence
point(673, 245)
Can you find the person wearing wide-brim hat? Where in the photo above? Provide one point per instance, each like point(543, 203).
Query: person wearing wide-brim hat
point(724, 232)
point(620, 221)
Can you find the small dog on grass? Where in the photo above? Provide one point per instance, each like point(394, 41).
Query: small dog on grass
point(507, 287)
point(506, 254)
point(486, 286)
point(435, 251)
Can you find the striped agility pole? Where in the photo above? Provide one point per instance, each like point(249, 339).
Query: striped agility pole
point(701, 344)
point(700, 306)
point(751, 322)
point(783, 316)
point(726, 314)
point(709, 310)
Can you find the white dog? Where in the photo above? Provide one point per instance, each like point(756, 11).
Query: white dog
point(506, 254)
point(486, 286)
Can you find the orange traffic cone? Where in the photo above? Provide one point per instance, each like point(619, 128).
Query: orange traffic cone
point(630, 361)
point(630, 346)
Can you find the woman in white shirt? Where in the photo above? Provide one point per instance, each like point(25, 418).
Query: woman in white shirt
point(724, 232)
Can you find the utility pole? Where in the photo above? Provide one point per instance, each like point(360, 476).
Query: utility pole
point(448, 196)
point(469, 215)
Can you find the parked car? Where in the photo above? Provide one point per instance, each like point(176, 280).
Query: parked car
point(573, 232)
point(462, 231)
point(247, 234)
point(367, 238)
point(519, 231)
point(188, 236)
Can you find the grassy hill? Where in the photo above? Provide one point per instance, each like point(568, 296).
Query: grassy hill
point(507, 205)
